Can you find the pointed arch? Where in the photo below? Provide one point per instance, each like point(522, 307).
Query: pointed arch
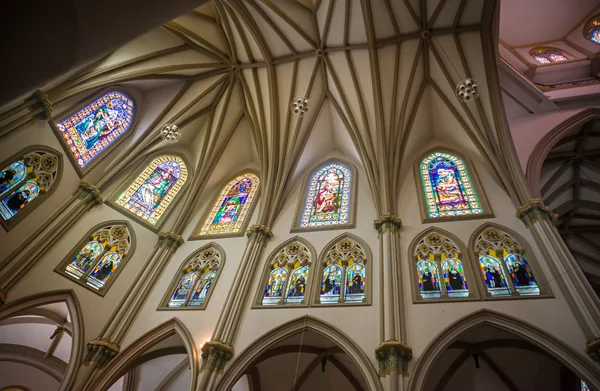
point(485, 317)
point(496, 246)
point(126, 359)
point(23, 305)
point(449, 188)
point(195, 280)
point(95, 126)
point(548, 55)
point(150, 195)
point(338, 281)
point(591, 29)
point(27, 179)
point(100, 256)
point(328, 197)
point(242, 362)
point(232, 209)
point(293, 262)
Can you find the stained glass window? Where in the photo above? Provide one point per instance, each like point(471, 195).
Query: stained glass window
point(196, 279)
point(496, 247)
point(439, 269)
point(548, 55)
point(447, 187)
point(19, 199)
point(591, 30)
point(149, 196)
point(327, 201)
point(232, 207)
point(288, 271)
point(97, 261)
point(11, 176)
point(583, 386)
point(344, 277)
point(96, 126)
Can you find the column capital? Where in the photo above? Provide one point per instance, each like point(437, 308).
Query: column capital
point(593, 349)
point(393, 356)
point(215, 355)
point(258, 230)
point(388, 222)
point(100, 352)
point(169, 239)
point(88, 193)
point(39, 101)
point(535, 210)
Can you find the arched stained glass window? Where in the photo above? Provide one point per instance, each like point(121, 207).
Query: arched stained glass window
point(91, 130)
point(450, 190)
point(328, 201)
point(591, 29)
point(194, 283)
point(344, 273)
point(99, 257)
point(151, 193)
point(25, 179)
point(287, 275)
point(440, 272)
point(230, 213)
point(583, 386)
point(503, 264)
point(548, 55)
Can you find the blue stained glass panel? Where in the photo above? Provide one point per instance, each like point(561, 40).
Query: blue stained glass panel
point(84, 259)
point(493, 276)
point(521, 275)
point(19, 199)
point(183, 289)
point(297, 285)
point(331, 284)
point(355, 283)
point(454, 278)
point(11, 176)
point(429, 282)
point(275, 285)
point(202, 289)
point(104, 270)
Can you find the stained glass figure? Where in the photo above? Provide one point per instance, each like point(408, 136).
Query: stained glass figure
point(355, 283)
point(521, 275)
point(149, 196)
point(231, 208)
point(331, 284)
point(548, 55)
point(11, 176)
point(447, 186)
point(104, 269)
point(19, 199)
point(493, 275)
point(542, 59)
point(183, 290)
point(84, 259)
point(203, 286)
point(583, 386)
point(454, 278)
point(429, 284)
point(274, 288)
point(591, 29)
point(557, 57)
point(328, 198)
point(297, 285)
point(95, 127)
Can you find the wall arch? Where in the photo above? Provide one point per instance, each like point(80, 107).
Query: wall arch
point(546, 342)
point(242, 362)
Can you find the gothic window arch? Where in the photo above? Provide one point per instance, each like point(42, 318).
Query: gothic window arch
point(151, 194)
point(286, 278)
point(591, 30)
point(549, 55)
point(506, 267)
point(232, 209)
point(441, 270)
point(26, 179)
point(344, 273)
point(194, 283)
point(93, 128)
point(100, 256)
point(450, 189)
point(328, 198)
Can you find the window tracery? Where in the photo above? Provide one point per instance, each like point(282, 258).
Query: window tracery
point(89, 131)
point(96, 262)
point(195, 281)
point(591, 30)
point(548, 55)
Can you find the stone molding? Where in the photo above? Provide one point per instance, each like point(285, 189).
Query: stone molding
point(388, 222)
point(533, 211)
point(393, 356)
point(215, 354)
point(39, 101)
point(100, 352)
point(169, 239)
point(2, 297)
point(88, 193)
point(258, 230)
point(593, 349)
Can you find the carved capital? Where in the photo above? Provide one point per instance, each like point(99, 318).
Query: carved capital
point(388, 222)
point(89, 194)
point(534, 211)
point(39, 101)
point(593, 349)
point(100, 352)
point(258, 230)
point(215, 355)
point(2, 297)
point(169, 239)
point(393, 356)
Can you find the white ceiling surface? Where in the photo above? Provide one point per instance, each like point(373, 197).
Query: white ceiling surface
point(12, 373)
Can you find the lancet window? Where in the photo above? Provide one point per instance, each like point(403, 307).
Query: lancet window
point(591, 30)
point(195, 281)
point(548, 55)
point(343, 277)
point(504, 266)
point(151, 194)
point(230, 214)
point(25, 180)
point(440, 271)
point(98, 259)
point(287, 276)
point(91, 130)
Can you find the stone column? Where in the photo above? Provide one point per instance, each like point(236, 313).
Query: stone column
point(393, 354)
point(22, 259)
point(217, 352)
point(566, 271)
